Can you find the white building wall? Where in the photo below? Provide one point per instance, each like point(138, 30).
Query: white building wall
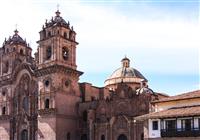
point(154, 133)
point(181, 103)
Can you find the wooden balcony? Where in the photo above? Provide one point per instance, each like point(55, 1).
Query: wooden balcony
point(195, 132)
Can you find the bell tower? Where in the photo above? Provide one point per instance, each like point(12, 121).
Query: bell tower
point(57, 44)
point(57, 80)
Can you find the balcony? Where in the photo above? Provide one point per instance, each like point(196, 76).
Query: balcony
point(195, 132)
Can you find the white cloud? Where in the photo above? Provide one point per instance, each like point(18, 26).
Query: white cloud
point(105, 34)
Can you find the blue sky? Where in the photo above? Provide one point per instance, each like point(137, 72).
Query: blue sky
point(160, 37)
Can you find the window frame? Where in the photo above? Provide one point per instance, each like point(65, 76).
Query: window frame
point(155, 125)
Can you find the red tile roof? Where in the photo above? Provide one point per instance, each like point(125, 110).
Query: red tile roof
point(172, 113)
point(184, 96)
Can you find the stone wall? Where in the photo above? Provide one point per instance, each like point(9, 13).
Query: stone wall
point(4, 130)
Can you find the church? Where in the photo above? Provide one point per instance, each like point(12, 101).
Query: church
point(41, 97)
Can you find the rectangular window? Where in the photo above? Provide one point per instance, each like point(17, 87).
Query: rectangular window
point(170, 125)
point(155, 125)
point(199, 123)
point(186, 124)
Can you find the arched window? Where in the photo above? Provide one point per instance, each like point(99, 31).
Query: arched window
point(46, 83)
point(102, 137)
point(48, 52)
point(85, 116)
point(68, 136)
point(21, 51)
point(65, 53)
point(5, 67)
point(49, 34)
point(3, 93)
point(25, 104)
point(44, 34)
point(47, 103)
point(65, 35)
point(24, 135)
point(4, 110)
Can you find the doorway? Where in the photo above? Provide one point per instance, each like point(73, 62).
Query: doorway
point(122, 137)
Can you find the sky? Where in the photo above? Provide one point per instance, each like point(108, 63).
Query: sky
point(161, 38)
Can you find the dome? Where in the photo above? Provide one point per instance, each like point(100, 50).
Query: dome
point(125, 74)
point(57, 20)
point(15, 39)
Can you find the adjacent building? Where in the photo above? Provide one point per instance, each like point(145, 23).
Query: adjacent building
point(174, 118)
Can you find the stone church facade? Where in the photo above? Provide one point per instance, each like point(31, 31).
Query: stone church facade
point(41, 97)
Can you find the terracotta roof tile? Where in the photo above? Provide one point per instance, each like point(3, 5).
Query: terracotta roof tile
point(173, 112)
point(188, 95)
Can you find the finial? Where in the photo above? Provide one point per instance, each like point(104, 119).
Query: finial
point(58, 7)
point(16, 26)
point(125, 62)
point(16, 31)
point(58, 12)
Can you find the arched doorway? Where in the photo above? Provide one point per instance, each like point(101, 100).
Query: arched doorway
point(24, 135)
point(102, 137)
point(122, 137)
point(84, 137)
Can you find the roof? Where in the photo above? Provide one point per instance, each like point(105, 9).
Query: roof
point(126, 72)
point(186, 111)
point(144, 90)
point(15, 39)
point(57, 21)
point(125, 59)
point(184, 96)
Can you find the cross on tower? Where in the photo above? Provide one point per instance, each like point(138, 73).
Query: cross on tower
point(16, 26)
point(58, 7)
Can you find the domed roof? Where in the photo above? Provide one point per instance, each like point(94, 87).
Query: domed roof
point(15, 39)
point(57, 20)
point(125, 59)
point(125, 74)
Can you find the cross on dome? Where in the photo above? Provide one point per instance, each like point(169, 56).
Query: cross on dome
point(58, 12)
